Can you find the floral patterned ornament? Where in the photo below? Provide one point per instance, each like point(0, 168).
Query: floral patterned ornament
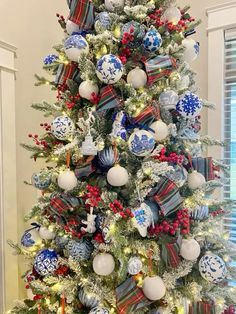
point(109, 69)
point(118, 129)
point(143, 219)
point(189, 106)
point(152, 41)
point(141, 143)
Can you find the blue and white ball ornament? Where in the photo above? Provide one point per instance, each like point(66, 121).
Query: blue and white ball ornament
point(109, 69)
point(138, 32)
point(104, 19)
point(63, 128)
point(192, 49)
point(189, 105)
point(31, 236)
point(135, 266)
point(61, 242)
point(41, 180)
point(212, 268)
point(89, 300)
point(200, 212)
point(107, 158)
point(75, 46)
point(50, 59)
point(152, 40)
point(99, 310)
point(72, 27)
point(46, 262)
point(80, 250)
point(141, 143)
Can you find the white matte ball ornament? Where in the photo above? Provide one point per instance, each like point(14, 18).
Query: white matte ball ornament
point(190, 249)
point(169, 99)
point(137, 78)
point(62, 128)
point(196, 180)
point(134, 266)
point(160, 129)
point(172, 15)
point(103, 264)
point(111, 5)
point(212, 268)
point(117, 176)
point(67, 180)
point(46, 234)
point(191, 50)
point(87, 88)
point(75, 46)
point(154, 288)
point(71, 27)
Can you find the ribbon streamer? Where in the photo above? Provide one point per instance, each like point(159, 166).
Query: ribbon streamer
point(63, 304)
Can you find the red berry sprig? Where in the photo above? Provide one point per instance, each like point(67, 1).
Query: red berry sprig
point(118, 208)
point(217, 213)
point(92, 196)
point(62, 270)
point(98, 237)
point(173, 157)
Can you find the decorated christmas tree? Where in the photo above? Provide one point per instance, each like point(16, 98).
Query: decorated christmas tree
point(126, 221)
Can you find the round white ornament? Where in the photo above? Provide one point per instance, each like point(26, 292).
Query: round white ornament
point(67, 180)
point(196, 180)
point(71, 27)
point(172, 15)
point(99, 310)
point(112, 5)
point(103, 264)
point(109, 69)
point(169, 99)
point(191, 50)
point(75, 46)
point(46, 234)
point(117, 176)
point(141, 143)
point(134, 266)
point(154, 288)
point(189, 105)
point(137, 78)
point(160, 129)
point(190, 249)
point(212, 268)
point(87, 88)
point(152, 40)
point(30, 294)
point(62, 128)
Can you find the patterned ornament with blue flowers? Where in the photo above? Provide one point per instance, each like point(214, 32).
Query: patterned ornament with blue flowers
point(80, 250)
point(63, 128)
point(46, 262)
point(75, 46)
point(31, 236)
point(104, 19)
point(141, 143)
point(109, 69)
point(189, 105)
point(212, 268)
point(50, 59)
point(41, 180)
point(152, 41)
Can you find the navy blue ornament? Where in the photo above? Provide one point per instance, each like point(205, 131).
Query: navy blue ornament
point(104, 19)
point(46, 262)
point(99, 221)
point(89, 300)
point(106, 158)
point(50, 59)
point(141, 143)
point(41, 180)
point(137, 30)
point(189, 105)
point(152, 41)
point(80, 250)
point(31, 236)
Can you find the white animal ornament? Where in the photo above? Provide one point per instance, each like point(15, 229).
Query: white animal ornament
point(90, 223)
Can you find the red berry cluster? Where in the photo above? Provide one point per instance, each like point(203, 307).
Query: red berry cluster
point(173, 157)
point(92, 196)
point(38, 297)
point(72, 102)
point(181, 222)
point(46, 126)
point(71, 228)
point(38, 141)
point(217, 212)
point(128, 36)
point(118, 208)
point(230, 310)
point(62, 270)
point(98, 237)
point(125, 53)
point(95, 99)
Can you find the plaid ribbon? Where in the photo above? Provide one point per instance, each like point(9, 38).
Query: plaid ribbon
point(84, 171)
point(201, 308)
point(67, 72)
point(205, 167)
point(109, 99)
point(170, 254)
point(63, 202)
point(158, 67)
point(130, 298)
point(166, 195)
point(147, 116)
point(82, 13)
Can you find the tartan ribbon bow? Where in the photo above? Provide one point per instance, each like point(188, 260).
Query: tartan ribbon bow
point(81, 13)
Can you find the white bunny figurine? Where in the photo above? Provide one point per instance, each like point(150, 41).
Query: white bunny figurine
point(90, 222)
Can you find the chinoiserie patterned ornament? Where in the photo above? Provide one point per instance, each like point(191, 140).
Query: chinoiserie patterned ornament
point(160, 129)
point(152, 40)
point(154, 288)
point(143, 218)
point(117, 176)
point(46, 234)
point(200, 213)
point(75, 46)
point(212, 268)
point(179, 175)
point(104, 19)
point(99, 310)
point(103, 264)
point(67, 180)
point(63, 128)
point(169, 99)
point(50, 59)
point(196, 180)
point(107, 158)
point(134, 266)
point(118, 125)
point(72, 27)
point(191, 51)
point(106, 235)
point(189, 105)
point(61, 242)
point(80, 250)
point(138, 32)
point(46, 262)
point(137, 78)
point(41, 180)
point(89, 300)
point(87, 89)
point(112, 5)
point(109, 69)
point(190, 249)
point(141, 143)
point(31, 236)
point(172, 15)
point(89, 148)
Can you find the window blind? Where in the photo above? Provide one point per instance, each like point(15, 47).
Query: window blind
point(230, 127)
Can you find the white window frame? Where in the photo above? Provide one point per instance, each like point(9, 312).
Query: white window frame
point(9, 276)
